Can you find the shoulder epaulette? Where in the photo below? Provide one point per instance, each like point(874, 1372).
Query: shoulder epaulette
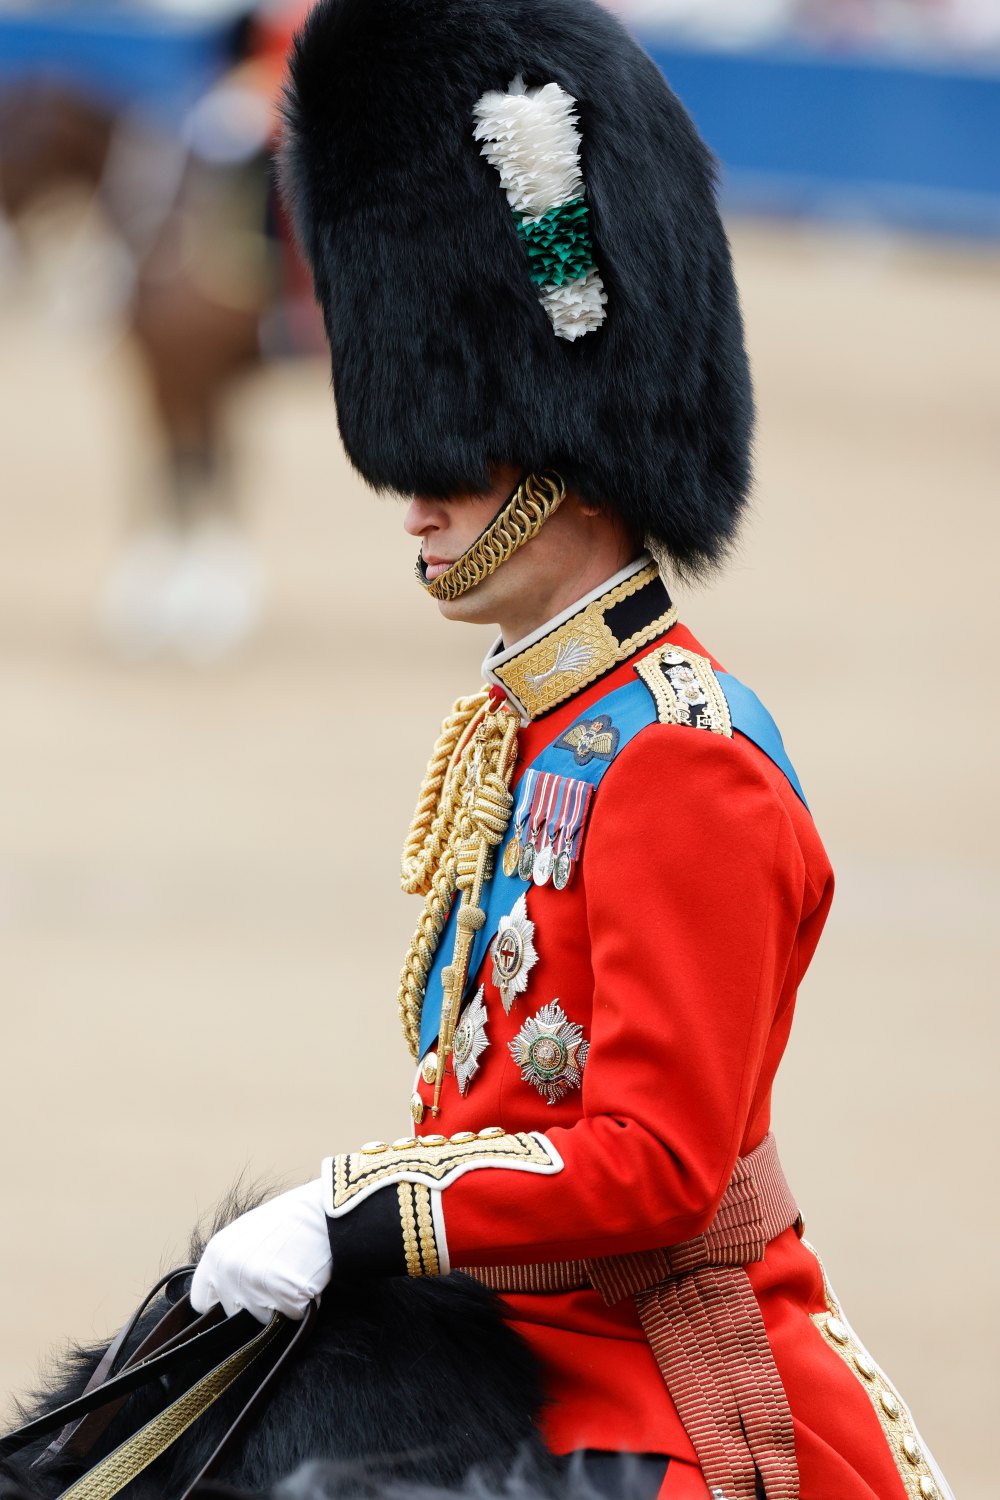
point(686, 690)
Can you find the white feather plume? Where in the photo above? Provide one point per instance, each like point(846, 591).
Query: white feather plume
point(576, 307)
point(531, 137)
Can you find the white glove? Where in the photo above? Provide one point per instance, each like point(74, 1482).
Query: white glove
point(276, 1258)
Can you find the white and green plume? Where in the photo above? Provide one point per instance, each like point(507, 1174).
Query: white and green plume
point(532, 138)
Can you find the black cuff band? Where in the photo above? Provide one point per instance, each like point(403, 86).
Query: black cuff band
point(368, 1241)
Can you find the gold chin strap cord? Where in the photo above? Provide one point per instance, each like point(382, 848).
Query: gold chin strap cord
point(461, 818)
point(522, 518)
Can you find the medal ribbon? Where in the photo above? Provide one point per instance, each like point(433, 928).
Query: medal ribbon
point(556, 824)
point(537, 807)
point(546, 804)
point(575, 825)
point(530, 777)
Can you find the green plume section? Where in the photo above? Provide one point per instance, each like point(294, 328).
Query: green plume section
point(558, 244)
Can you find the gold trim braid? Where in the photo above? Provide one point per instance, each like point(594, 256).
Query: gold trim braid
point(583, 648)
point(917, 1471)
point(417, 1225)
point(431, 1161)
point(462, 815)
point(107, 1478)
point(524, 515)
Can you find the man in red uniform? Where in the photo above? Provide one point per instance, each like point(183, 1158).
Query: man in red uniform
point(535, 333)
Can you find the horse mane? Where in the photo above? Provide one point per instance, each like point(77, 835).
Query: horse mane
point(403, 1382)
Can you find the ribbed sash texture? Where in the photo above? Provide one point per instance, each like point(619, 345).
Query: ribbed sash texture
point(704, 1326)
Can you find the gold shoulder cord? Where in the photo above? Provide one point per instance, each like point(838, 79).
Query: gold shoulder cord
point(462, 816)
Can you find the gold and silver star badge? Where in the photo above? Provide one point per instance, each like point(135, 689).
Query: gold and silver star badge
point(514, 954)
point(551, 1052)
point(469, 1042)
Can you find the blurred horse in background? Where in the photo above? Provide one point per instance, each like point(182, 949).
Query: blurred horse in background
point(198, 268)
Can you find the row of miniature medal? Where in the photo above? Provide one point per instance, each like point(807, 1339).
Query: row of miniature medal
point(548, 823)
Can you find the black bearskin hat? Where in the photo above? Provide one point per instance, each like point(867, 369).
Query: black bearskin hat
point(512, 228)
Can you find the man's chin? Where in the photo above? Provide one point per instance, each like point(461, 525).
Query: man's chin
point(473, 608)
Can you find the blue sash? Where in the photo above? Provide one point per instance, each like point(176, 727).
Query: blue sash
point(631, 709)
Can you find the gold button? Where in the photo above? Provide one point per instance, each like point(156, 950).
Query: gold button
point(912, 1449)
point(372, 1148)
point(463, 1137)
point(429, 1067)
point(434, 1140)
point(864, 1364)
point(889, 1404)
point(405, 1143)
point(928, 1489)
point(417, 1109)
point(492, 1133)
point(836, 1330)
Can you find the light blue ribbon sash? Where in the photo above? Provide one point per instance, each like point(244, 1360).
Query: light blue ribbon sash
point(631, 709)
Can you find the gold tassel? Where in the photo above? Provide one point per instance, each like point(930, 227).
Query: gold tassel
point(462, 815)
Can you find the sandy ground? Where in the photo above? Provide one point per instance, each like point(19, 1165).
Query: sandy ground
point(201, 925)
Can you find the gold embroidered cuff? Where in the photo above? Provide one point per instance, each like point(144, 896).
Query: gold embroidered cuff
point(433, 1162)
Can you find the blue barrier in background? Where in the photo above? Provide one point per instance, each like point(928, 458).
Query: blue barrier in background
point(120, 55)
point(799, 133)
point(796, 132)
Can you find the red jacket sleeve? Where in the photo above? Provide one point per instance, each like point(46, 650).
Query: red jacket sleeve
point(696, 890)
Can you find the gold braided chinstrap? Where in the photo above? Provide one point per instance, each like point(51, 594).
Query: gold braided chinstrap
point(462, 814)
point(522, 518)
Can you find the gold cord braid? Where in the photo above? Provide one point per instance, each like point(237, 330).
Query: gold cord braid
point(522, 518)
point(462, 815)
point(438, 798)
point(114, 1472)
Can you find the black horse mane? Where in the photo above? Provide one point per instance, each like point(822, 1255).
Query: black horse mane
point(404, 1382)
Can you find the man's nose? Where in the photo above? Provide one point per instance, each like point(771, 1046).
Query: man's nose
point(424, 516)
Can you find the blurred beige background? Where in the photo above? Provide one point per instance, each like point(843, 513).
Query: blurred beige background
point(200, 922)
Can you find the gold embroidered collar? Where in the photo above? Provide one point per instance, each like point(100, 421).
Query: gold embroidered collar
point(584, 642)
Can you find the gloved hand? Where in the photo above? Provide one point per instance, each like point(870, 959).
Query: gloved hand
point(274, 1258)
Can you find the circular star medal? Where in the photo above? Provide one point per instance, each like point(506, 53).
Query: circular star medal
point(508, 954)
point(512, 857)
point(562, 871)
point(542, 868)
point(469, 1042)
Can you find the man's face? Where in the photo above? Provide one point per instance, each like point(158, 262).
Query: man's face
point(577, 548)
point(448, 527)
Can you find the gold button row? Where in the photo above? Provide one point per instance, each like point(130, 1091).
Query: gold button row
point(867, 1369)
point(408, 1142)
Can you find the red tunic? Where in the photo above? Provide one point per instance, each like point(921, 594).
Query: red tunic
point(679, 947)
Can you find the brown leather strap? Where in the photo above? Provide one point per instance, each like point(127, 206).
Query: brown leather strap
point(177, 1313)
point(179, 1324)
point(174, 1340)
point(198, 1346)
